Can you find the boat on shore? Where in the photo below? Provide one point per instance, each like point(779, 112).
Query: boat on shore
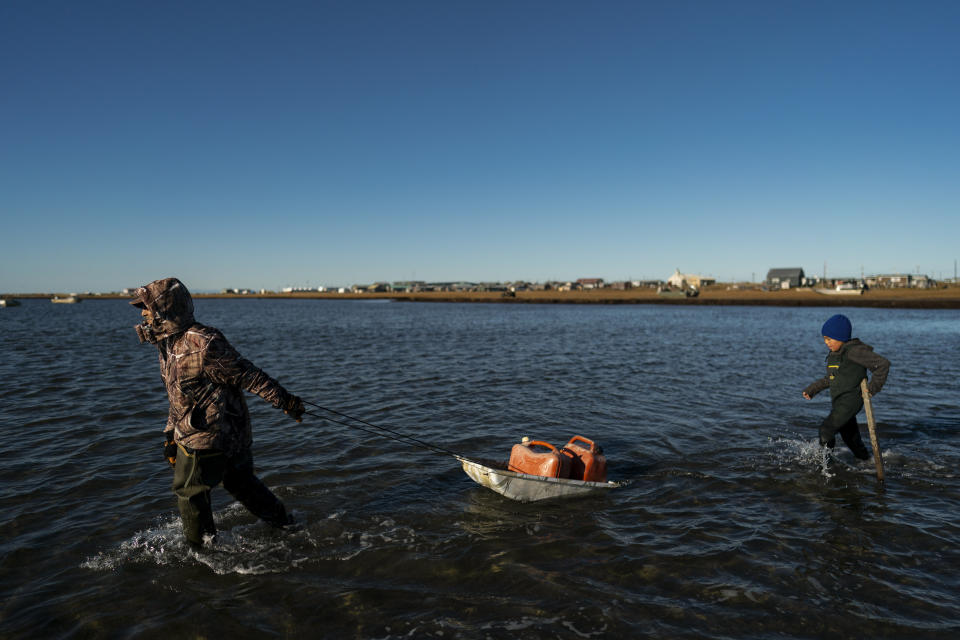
point(842, 290)
point(672, 292)
point(71, 299)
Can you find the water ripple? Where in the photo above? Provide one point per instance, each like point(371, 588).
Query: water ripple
point(735, 524)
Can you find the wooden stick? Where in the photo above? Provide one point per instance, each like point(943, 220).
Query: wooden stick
point(872, 427)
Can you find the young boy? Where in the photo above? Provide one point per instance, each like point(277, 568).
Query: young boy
point(847, 365)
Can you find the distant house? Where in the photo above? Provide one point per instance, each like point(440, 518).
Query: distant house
point(519, 285)
point(677, 280)
point(900, 280)
point(921, 281)
point(785, 278)
point(590, 283)
point(684, 280)
point(407, 286)
point(376, 287)
point(647, 284)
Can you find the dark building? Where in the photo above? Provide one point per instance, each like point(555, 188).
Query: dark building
point(785, 278)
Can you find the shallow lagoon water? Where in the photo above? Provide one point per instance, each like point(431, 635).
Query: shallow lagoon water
point(734, 524)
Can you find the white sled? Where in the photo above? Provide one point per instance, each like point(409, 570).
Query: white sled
point(524, 487)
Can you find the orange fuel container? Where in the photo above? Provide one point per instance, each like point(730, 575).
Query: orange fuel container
point(586, 462)
point(550, 463)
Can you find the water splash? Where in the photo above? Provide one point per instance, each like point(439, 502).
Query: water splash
point(256, 548)
point(792, 452)
point(161, 544)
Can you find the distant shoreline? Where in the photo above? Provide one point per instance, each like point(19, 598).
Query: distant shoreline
point(941, 298)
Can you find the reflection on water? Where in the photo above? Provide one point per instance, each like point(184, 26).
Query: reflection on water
point(736, 524)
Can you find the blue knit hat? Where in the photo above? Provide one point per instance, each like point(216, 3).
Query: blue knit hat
point(837, 327)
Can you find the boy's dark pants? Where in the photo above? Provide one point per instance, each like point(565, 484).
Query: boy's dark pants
point(198, 471)
point(849, 431)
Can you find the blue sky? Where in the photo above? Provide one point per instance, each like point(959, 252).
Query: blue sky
point(264, 144)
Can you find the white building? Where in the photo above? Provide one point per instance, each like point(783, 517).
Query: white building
point(684, 280)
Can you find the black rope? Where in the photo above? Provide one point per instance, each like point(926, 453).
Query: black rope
point(380, 431)
point(391, 434)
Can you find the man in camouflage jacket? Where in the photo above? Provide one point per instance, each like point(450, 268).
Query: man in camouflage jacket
point(208, 434)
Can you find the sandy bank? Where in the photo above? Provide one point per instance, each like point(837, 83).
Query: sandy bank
point(948, 298)
point(944, 298)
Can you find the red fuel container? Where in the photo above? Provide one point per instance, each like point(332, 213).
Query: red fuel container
point(586, 462)
point(550, 463)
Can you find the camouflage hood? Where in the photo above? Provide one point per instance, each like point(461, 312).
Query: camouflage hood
point(172, 306)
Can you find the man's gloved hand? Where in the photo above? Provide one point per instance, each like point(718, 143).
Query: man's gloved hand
point(169, 448)
point(294, 408)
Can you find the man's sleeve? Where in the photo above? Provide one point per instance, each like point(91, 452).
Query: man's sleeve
point(224, 365)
